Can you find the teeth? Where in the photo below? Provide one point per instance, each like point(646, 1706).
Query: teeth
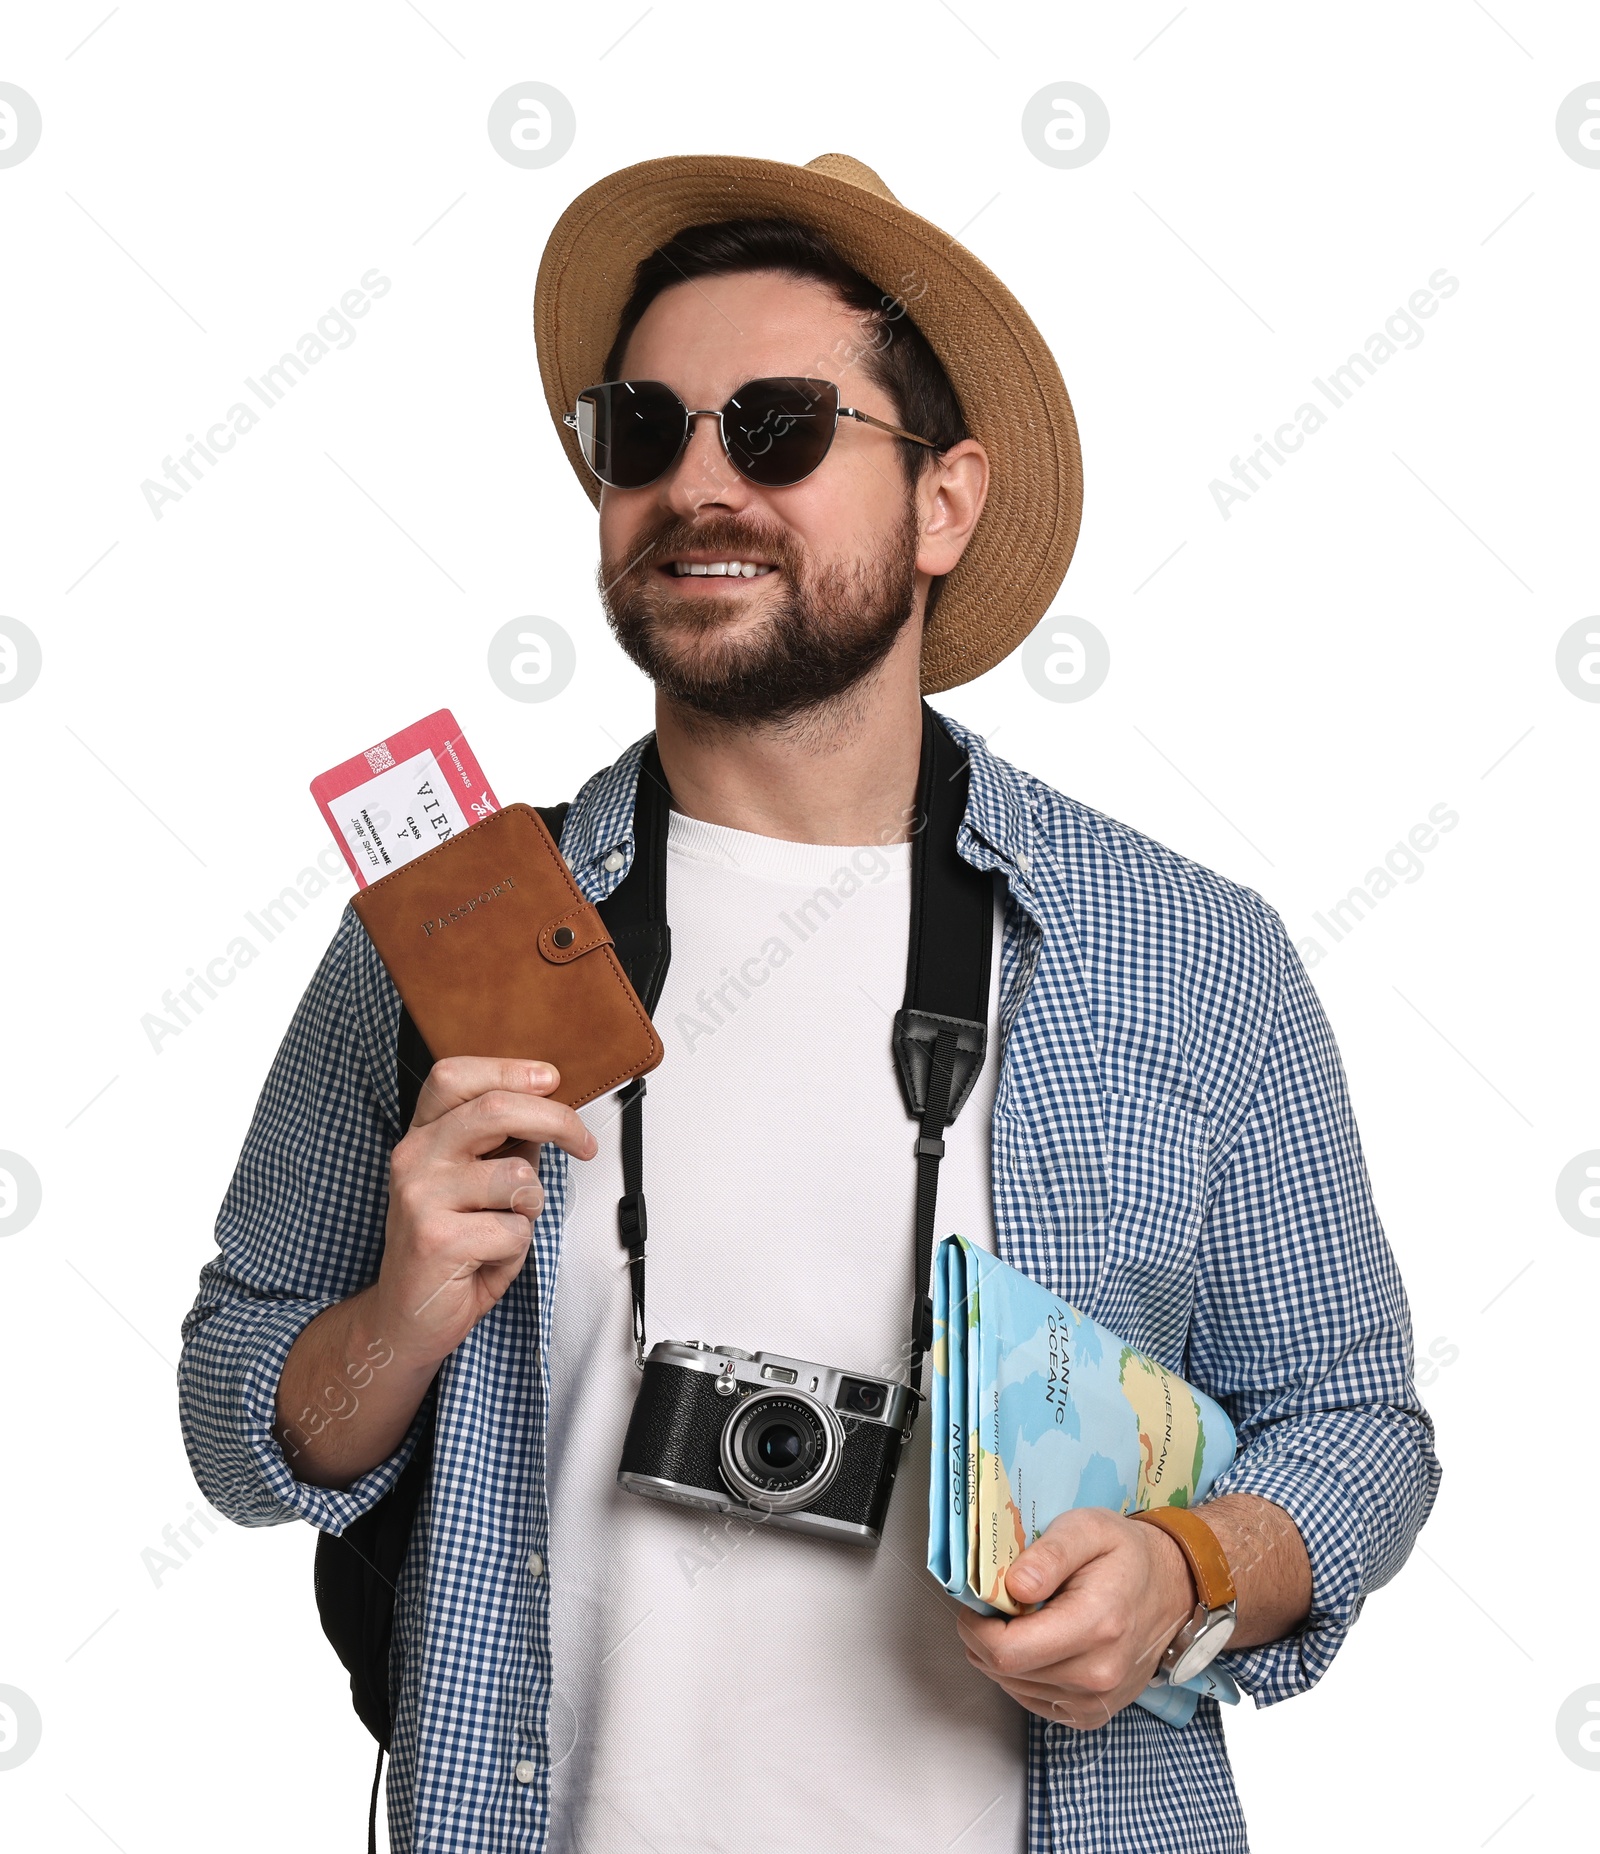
point(718, 569)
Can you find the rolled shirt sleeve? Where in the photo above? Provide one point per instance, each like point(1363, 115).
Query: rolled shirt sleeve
point(300, 1229)
point(1302, 1332)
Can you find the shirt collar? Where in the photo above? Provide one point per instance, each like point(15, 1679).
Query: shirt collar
point(1000, 810)
point(997, 830)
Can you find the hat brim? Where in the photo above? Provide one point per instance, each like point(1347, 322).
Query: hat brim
point(1010, 387)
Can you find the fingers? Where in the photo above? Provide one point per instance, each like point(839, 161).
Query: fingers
point(1069, 1542)
point(482, 1124)
point(1083, 1712)
point(498, 1184)
point(496, 1236)
point(490, 1239)
point(1085, 1680)
point(1075, 1623)
point(1061, 1614)
point(459, 1079)
point(486, 1121)
point(1012, 1648)
point(428, 1187)
point(1093, 1666)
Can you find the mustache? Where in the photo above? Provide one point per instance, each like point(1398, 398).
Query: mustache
point(738, 540)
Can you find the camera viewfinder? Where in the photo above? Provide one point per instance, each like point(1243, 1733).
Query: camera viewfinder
point(862, 1396)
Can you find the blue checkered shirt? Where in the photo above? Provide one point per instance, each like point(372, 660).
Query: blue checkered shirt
point(1173, 1152)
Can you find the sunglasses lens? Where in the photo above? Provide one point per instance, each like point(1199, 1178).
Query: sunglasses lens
point(779, 430)
point(630, 431)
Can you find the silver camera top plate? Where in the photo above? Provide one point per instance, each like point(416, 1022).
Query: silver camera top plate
point(751, 1371)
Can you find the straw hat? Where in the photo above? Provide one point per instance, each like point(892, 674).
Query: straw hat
point(1010, 388)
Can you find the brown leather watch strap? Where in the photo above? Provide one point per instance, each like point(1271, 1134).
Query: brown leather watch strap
point(1213, 1581)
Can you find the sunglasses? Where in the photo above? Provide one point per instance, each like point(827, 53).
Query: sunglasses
point(774, 432)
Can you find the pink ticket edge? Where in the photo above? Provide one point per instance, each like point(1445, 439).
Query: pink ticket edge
point(438, 732)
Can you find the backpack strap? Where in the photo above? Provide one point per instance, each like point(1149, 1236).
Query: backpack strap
point(412, 1063)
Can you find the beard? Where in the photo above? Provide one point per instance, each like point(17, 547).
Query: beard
point(817, 633)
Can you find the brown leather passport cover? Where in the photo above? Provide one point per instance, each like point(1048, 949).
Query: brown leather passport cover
point(495, 952)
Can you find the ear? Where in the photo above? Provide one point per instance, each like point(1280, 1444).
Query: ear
point(950, 498)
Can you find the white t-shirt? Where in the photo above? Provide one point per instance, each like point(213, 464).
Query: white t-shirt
point(718, 1687)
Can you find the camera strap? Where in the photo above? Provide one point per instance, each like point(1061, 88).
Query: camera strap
point(939, 1031)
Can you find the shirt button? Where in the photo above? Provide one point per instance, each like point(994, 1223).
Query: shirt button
point(535, 1564)
point(614, 861)
point(526, 1771)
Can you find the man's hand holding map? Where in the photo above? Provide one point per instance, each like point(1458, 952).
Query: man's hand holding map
point(1036, 1410)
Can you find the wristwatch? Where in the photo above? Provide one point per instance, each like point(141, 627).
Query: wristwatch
point(1210, 1628)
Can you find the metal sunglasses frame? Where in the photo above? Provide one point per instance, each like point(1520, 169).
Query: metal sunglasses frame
point(690, 414)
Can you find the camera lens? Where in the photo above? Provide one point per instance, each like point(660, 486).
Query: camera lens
point(779, 1446)
point(780, 1450)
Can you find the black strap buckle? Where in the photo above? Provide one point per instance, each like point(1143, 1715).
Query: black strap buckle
point(925, 1323)
point(631, 1222)
point(916, 1036)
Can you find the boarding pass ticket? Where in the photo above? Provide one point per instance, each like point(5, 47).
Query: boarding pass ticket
point(408, 793)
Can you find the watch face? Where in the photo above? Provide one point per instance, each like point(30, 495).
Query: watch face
point(1212, 1637)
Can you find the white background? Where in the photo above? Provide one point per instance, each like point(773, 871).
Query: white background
point(1291, 689)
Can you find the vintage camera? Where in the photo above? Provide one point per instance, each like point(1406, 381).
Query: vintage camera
point(800, 1445)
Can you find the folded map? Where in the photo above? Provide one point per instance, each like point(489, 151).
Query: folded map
point(1038, 1409)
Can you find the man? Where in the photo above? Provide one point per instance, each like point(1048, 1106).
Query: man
point(1159, 1133)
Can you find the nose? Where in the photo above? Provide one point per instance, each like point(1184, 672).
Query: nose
point(703, 477)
